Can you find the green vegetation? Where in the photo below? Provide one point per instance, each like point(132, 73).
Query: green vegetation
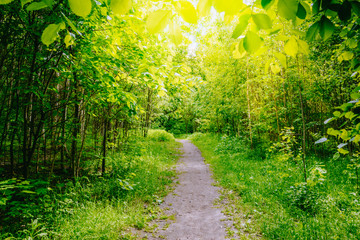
point(268, 187)
point(160, 136)
point(83, 82)
point(98, 207)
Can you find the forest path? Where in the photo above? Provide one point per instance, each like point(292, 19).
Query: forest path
point(192, 202)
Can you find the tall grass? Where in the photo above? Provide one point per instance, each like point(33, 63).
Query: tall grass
point(271, 192)
point(106, 207)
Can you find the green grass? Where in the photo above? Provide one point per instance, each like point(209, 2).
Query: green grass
point(106, 207)
point(270, 191)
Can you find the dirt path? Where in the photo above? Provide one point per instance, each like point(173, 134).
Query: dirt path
point(192, 202)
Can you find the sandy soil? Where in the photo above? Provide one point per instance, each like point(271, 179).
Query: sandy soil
point(192, 202)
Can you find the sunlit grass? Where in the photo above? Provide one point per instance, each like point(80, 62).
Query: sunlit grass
point(272, 198)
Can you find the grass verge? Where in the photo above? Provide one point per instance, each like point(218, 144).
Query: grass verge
point(103, 207)
point(270, 196)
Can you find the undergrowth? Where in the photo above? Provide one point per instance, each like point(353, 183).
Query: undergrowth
point(94, 206)
point(271, 191)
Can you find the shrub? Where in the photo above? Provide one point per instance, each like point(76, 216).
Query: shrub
point(195, 136)
point(160, 136)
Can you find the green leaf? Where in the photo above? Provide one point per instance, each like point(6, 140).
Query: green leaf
point(158, 20)
point(327, 28)
point(23, 2)
point(288, 8)
point(344, 12)
point(357, 138)
point(187, 11)
point(50, 33)
point(351, 43)
point(252, 42)
point(81, 8)
point(68, 40)
point(240, 28)
point(275, 68)
point(333, 132)
point(301, 12)
point(71, 24)
point(291, 48)
point(313, 31)
point(204, 7)
point(347, 55)
point(120, 7)
point(356, 7)
point(175, 34)
point(239, 51)
point(350, 115)
point(263, 21)
point(36, 6)
point(342, 151)
point(230, 7)
point(325, 4)
point(337, 113)
point(27, 191)
point(316, 7)
point(5, 1)
point(49, 2)
point(303, 47)
point(282, 59)
point(266, 4)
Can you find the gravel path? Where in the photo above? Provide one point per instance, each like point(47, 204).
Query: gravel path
point(192, 202)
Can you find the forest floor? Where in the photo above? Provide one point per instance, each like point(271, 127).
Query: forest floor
point(194, 206)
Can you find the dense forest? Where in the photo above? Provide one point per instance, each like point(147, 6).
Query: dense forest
point(89, 87)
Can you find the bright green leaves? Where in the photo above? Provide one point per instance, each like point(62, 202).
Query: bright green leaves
point(243, 23)
point(81, 8)
point(263, 21)
point(296, 46)
point(303, 47)
point(346, 56)
point(239, 51)
point(120, 7)
point(275, 68)
point(5, 1)
point(23, 2)
point(68, 40)
point(324, 27)
point(282, 59)
point(187, 11)
point(175, 33)
point(50, 33)
point(291, 48)
point(204, 7)
point(288, 8)
point(36, 6)
point(158, 20)
point(252, 42)
point(230, 7)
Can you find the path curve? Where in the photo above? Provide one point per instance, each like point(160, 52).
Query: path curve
point(192, 201)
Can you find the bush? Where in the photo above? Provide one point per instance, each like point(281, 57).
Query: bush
point(195, 136)
point(160, 136)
